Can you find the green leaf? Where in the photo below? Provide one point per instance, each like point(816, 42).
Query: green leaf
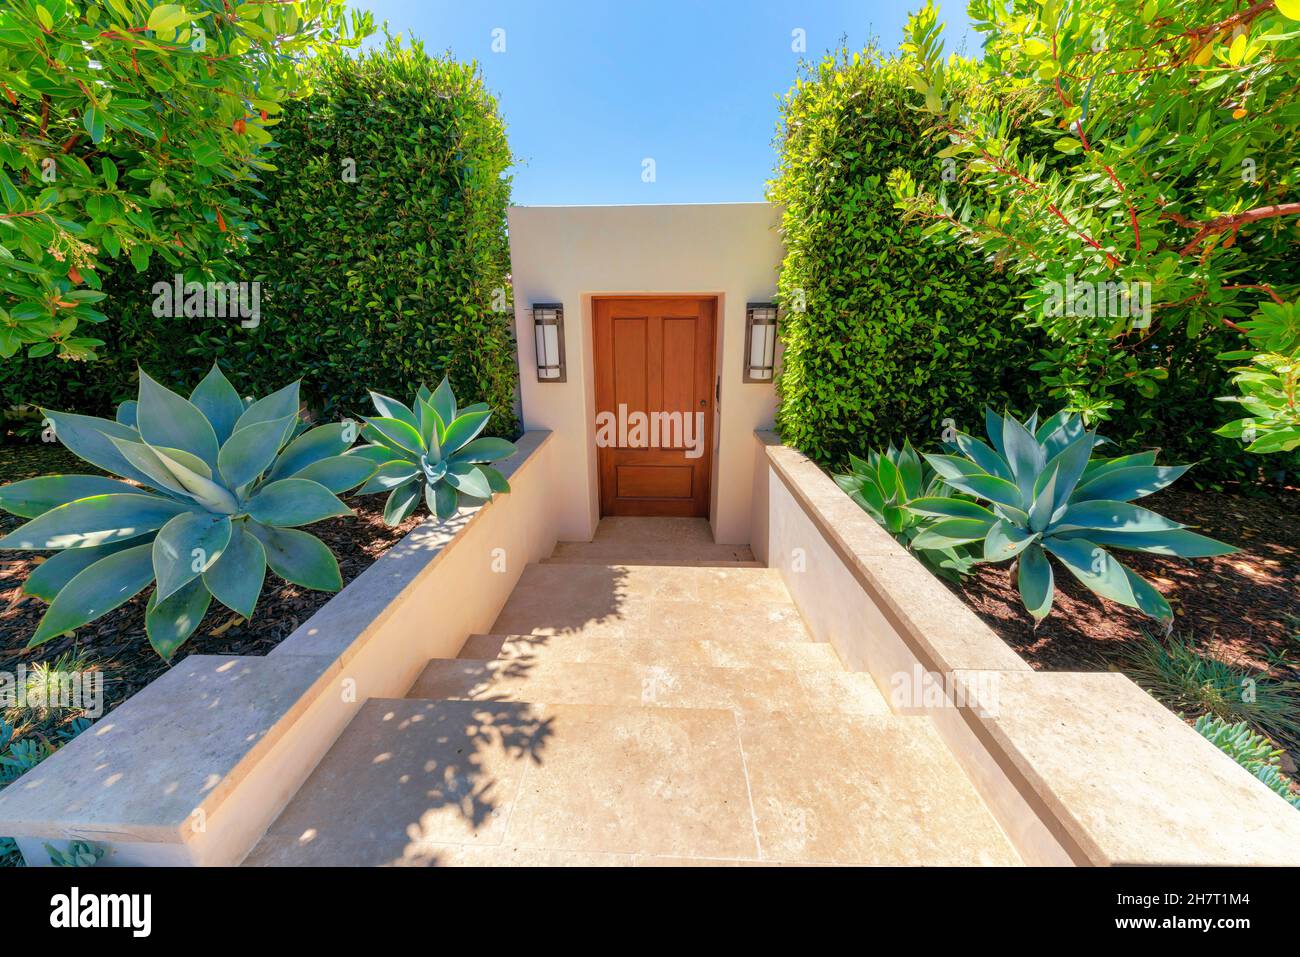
point(93, 121)
point(1112, 516)
point(1128, 483)
point(468, 480)
point(171, 622)
point(277, 405)
point(217, 399)
point(495, 479)
point(1278, 440)
point(952, 532)
point(50, 576)
point(444, 401)
point(950, 508)
point(299, 557)
point(396, 434)
point(988, 487)
point(236, 578)
point(36, 496)
point(169, 420)
point(381, 455)
point(1005, 540)
point(186, 547)
point(250, 451)
point(953, 466)
point(339, 473)
point(322, 442)
point(983, 456)
point(390, 408)
point(96, 590)
point(294, 501)
point(149, 463)
point(1175, 542)
point(431, 428)
point(1095, 567)
point(445, 501)
point(1035, 582)
point(98, 520)
point(485, 450)
point(389, 476)
point(167, 17)
point(402, 500)
point(1040, 512)
point(91, 438)
point(1026, 457)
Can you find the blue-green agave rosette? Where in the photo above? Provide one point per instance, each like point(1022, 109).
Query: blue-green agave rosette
point(223, 488)
point(432, 450)
point(1040, 492)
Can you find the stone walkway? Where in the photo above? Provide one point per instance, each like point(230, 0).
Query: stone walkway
point(647, 698)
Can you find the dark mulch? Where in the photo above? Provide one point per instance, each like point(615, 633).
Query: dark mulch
point(117, 642)
point(1238, 607)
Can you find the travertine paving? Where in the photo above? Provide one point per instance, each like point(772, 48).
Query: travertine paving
point(645, 699)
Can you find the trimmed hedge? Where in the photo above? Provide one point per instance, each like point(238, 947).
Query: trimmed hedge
point(396, 278)
point(898, 333)
point(886, 334)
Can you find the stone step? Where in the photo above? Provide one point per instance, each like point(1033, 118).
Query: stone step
point(624, 540)
point(633, 601)
point(596, 553)
point(419, 782)
point(670, 652)
point(748, 690)
point(606, 560)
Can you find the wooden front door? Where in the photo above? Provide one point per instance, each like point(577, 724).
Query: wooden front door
point(654, 405)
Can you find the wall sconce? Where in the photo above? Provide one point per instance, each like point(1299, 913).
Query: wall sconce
point(760, 341)
point(548, 327)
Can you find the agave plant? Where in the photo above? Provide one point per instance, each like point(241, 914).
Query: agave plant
point(433, 447)
point(1043, 493)
point(885, 485)
point(221, 488)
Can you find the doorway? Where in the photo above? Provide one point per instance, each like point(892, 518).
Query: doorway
point(654, 404)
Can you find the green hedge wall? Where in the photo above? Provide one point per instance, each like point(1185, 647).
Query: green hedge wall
point(898, 333)
point(380, 283)
point(886, 334)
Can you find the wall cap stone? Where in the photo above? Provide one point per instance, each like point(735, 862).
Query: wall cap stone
point(1116, 776)
point(185, 741)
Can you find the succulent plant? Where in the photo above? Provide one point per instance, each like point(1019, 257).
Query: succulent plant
point(884, 486)
point(433, 447)
point(222, 488)
point(1252, 751)
point(1043, 493)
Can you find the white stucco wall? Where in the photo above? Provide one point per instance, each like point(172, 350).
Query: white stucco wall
point(570, 254)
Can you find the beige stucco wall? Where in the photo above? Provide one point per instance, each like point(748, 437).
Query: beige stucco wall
point(569, 254)
point(1078, 768)
point(195, 767)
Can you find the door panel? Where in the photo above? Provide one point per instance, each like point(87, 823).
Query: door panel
point(654, 382)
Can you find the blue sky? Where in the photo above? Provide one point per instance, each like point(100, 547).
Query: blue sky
point(590, 90)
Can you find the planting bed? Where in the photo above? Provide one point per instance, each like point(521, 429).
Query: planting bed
point(117, 644)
